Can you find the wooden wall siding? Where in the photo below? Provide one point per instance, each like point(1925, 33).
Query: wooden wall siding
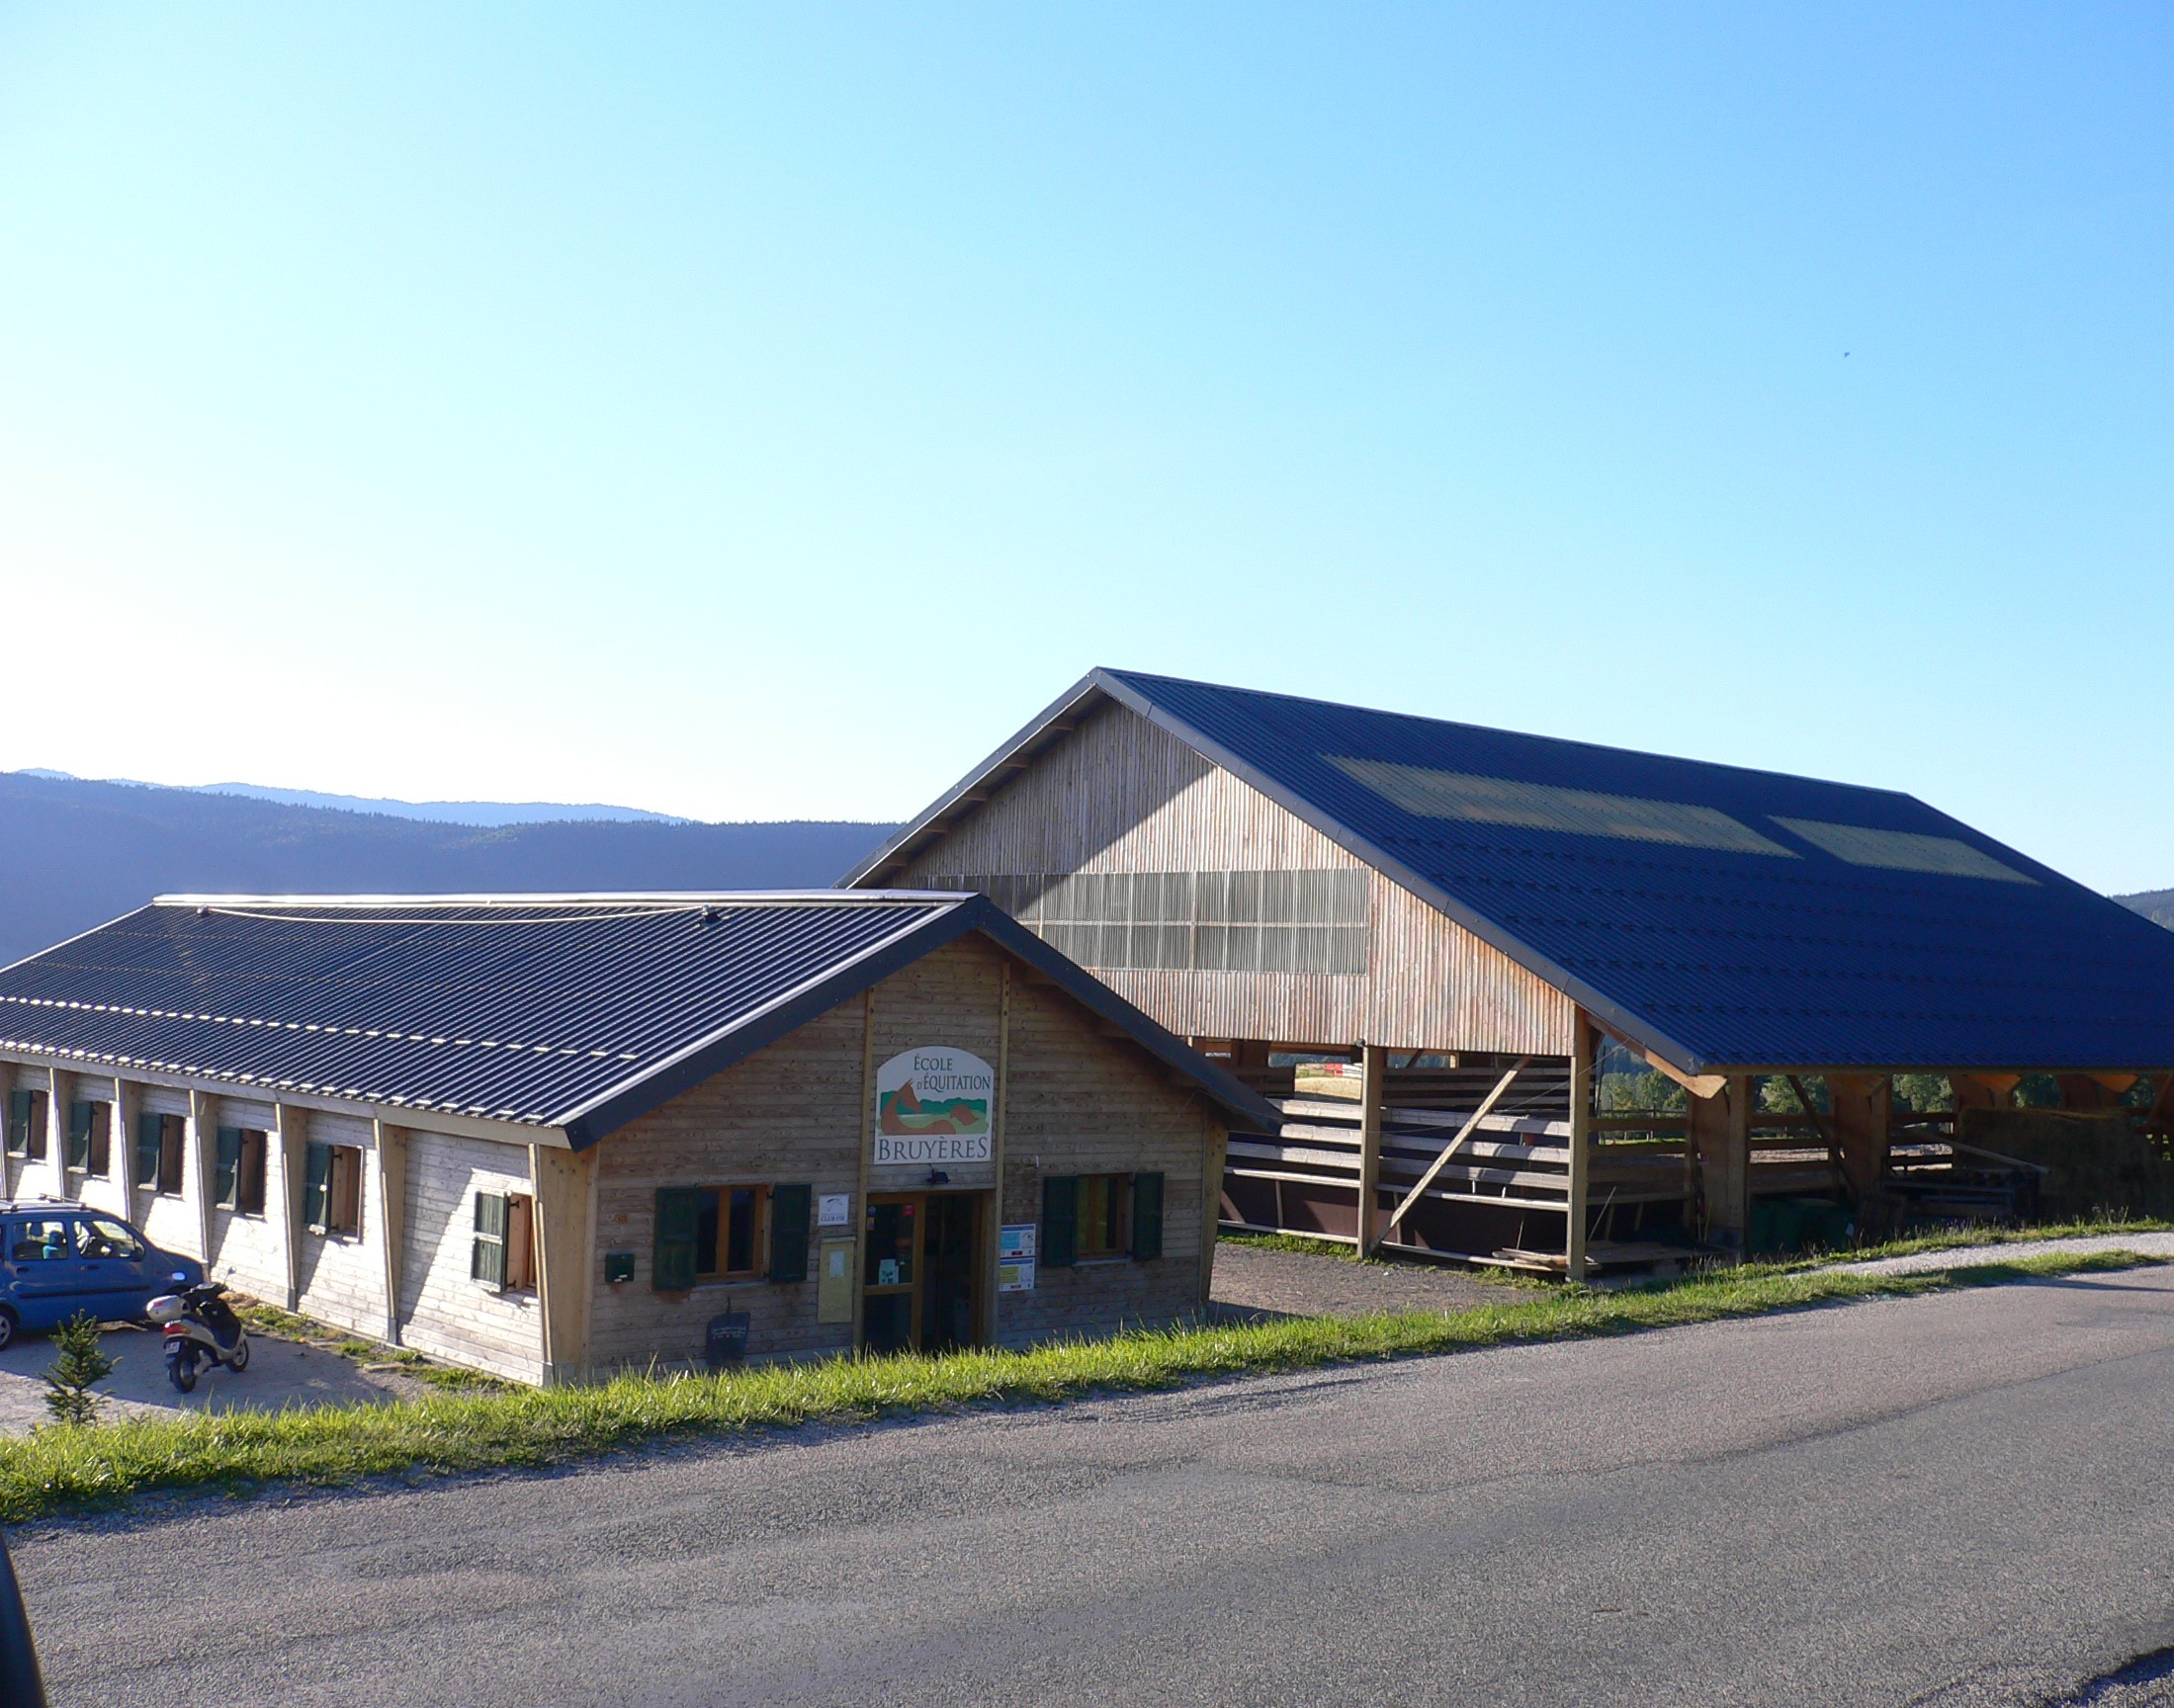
point(250, 1251)
point(1122, 795)
point(341, 1277)
point(442, 1310)
point(1436, 987)
point(787, 1114)
point(1082, 1103)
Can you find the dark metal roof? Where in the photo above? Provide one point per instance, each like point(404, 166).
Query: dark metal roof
point(573, 1013)
point(1721, 916)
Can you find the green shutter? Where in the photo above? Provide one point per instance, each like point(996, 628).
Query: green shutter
point(316, 1184)
point(1060, 1221)
point(22, 1105)
point(671, 1264)
point(487, 1256)
point(789, 1206)
point(150, 1136)
point(227, 1177)
point(1147, 1216)
point(81, 1118)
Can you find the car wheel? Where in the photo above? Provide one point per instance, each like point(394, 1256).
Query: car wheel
point(9, 1324)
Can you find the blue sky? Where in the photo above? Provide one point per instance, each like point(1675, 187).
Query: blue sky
point(760, 413)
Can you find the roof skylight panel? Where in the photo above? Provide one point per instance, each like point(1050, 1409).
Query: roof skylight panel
point(1462, 797)
point(1903, 850)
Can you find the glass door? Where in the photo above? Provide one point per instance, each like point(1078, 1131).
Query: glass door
point(890, 1276)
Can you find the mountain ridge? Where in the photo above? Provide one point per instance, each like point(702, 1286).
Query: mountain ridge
point(75, 853)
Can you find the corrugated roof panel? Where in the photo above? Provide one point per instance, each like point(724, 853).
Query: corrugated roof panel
point(525, 1013)
point(1892, 935)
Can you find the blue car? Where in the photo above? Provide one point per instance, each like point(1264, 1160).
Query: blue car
point(56, 1260)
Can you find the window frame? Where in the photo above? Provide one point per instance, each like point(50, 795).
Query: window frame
point(27, 1121)
point(1105, 1209)
point(502, 1250)
point(337, 1187)
point(758, 1240)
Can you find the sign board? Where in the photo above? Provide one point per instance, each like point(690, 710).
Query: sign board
point(835, 1210)
point(835, 1281)
point(1016, 1259)
point(932, 1106)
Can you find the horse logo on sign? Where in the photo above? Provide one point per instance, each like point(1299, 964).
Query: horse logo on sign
point(932, 1105)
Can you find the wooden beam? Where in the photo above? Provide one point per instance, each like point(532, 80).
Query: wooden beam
point(292, 1135)
point(991, 1300)
point(1697, 1085)
point(203, 1137)
point(1863, 1110)
point(1471, 1125)
point(1720, 1136)
point(867, 1131)
point(1373, 1070)
point(390, 1188)
point(1582, 1049)
point(563, 1182)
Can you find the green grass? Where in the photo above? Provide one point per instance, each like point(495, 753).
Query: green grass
point(57, 1469)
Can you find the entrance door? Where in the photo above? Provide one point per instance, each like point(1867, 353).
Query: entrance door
point(922, 1276)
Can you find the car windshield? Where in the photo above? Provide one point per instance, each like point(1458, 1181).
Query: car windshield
point(35, 1241)
point(103, 1238)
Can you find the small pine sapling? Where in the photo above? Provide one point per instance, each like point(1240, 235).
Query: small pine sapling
point(83, 1364)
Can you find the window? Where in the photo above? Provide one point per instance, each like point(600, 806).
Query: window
point(238, 1179)
point(503, 1255)
point(98, 1236)
point(1094, 1218)
point(158, 1152)
point(331, 1192)
point(26, 1125)
point(729, 1233)
point(90, 1138)
point(37, 1239)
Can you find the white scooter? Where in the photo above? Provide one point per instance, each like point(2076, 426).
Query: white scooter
point(200, 1326)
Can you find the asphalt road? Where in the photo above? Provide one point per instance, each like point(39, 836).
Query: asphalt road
point(1952, 1501)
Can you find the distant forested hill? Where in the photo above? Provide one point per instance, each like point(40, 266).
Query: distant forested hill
point(76, 853)
point(2154, 904)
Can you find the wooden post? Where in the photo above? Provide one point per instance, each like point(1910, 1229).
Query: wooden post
point(292, 1135)
point(989, 1299)
point(10, 1170)
point(391, 1190)
point(563, 1182)
point(867, 1125)
point(1581, 1142)
point(1373, 1072)
point(1719, 1128)
point(57, 1129)
point(196, 1162)
point(127, 1106)
point(1215, 1139)
point(1863, 1104)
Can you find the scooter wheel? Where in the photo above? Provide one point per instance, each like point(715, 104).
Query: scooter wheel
point(182, 1372)
point(238, 1358)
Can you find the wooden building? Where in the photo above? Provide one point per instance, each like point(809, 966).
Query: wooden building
point(1594, 1001)
point(555, 1136)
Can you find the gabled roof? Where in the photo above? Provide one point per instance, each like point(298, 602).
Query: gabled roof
point(1719, 915)
point(577, 1014)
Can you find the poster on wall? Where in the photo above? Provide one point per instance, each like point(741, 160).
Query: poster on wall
point(1016, 1259)
point(932, 1106)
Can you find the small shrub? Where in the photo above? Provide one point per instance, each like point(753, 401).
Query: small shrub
point(83, 1364)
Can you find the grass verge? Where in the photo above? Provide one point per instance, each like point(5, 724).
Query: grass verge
point(57, 1469)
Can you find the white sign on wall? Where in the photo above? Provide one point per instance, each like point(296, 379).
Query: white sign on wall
point(1016, 1259)
point(934, 1106)
point(835, 1210)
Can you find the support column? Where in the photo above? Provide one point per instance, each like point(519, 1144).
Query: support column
point(128, 1110)
point(563, 1182)
point(196, 1183)
point(57, 1129)
point(1720, 1133)
point(1373, 1072)
point(1581, 1142)
point(390, 1188)
point(1861, 1106)
point(996, 1137)
point(292, 1135)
